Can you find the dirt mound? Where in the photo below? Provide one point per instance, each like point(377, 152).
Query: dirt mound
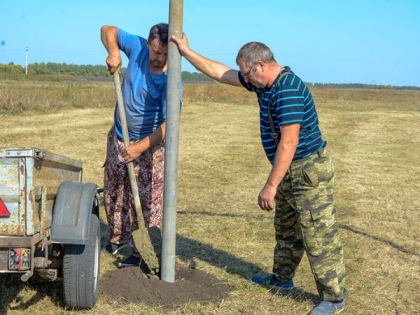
point(191, 285)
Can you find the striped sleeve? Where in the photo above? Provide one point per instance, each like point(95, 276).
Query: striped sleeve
point(288, 103)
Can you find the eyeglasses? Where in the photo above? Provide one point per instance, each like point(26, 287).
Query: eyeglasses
point(245, 75)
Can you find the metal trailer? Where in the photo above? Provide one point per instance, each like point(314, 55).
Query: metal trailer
point(49, 222)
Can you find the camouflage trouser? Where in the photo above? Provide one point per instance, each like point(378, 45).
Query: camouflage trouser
point(304, 221)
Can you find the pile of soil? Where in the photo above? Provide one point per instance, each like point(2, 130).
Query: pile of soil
point(191, 285)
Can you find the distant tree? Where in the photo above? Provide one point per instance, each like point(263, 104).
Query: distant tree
point(11, 68)
point(195, 77)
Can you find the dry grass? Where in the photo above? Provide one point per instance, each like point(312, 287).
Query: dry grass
point(18, 97)
point(372, 135)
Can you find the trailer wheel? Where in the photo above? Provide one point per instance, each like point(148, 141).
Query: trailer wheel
point(81, 265)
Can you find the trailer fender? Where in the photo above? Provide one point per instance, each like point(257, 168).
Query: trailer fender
point(73, 207)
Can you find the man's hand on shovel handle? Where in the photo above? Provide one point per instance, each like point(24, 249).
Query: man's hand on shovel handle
point(114, 62)
point(132, 152)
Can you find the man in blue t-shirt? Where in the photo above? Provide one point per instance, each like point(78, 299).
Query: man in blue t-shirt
point(144, 95)
point(302, 174)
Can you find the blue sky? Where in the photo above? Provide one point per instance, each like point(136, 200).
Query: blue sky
point(340, 41)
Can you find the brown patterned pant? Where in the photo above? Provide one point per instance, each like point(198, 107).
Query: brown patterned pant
point(118, 197)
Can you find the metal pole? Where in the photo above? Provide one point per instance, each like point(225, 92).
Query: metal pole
point(171, 149)
point(26, 64)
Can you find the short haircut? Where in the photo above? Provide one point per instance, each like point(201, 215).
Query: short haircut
point(253, 52)
point(159, 32)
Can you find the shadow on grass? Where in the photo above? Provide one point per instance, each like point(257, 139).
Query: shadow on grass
point(342, 226)
point(188, 249)
point(379, 239)
point(104, 234)
point(12, 296)
point(11, 287)
point(297, 294)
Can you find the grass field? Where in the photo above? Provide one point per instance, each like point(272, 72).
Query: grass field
point(373, 136)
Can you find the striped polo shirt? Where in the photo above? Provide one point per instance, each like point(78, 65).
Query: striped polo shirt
point(290, 102)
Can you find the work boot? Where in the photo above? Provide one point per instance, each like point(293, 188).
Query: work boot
point(129, 262)
point(271, 282)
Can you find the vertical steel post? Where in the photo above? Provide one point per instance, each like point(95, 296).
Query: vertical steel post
point(171, 149)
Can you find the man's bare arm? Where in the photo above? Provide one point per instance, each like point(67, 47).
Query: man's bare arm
point(284, 155)
point(110, 40)
point(215, 70)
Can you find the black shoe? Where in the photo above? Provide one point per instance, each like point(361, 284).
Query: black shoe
point(129, 262)
point(113, 249)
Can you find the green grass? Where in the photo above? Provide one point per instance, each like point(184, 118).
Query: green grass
point(374, 140)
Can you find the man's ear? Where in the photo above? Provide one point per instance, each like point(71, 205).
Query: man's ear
point(147, 43)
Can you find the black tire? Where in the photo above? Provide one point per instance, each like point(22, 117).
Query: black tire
point(81, 266)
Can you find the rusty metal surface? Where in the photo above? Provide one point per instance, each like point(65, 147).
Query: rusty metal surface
point(22, 197)
point(17, 241)
point(4, 256)
point(44, 203)
point(14, 152)
point(23, 175)
point(39, 154)
point(47, 173)
point(29, 180)
point(10, 194)
point(7, 242)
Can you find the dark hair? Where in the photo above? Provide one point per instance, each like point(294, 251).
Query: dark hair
point(159, 31)
point(253, 52)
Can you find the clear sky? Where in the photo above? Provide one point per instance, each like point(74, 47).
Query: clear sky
point(337, 41)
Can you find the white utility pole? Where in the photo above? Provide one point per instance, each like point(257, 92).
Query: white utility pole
point(26, 64)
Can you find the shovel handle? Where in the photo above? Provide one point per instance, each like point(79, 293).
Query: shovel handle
point(123, 121)
point(141, 236)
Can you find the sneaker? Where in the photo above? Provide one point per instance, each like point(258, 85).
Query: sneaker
point(328, 308)
point(114, 249)
point(270, 282)
point(129, 262)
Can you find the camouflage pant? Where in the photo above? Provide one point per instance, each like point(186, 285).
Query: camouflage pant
point(118, 197)
point(304, 221)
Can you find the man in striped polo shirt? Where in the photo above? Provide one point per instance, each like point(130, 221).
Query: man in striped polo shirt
point(302, 177)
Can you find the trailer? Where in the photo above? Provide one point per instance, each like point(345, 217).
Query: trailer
point(49, 222)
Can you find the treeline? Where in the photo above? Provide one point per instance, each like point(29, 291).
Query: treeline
point(101, 72)
point(363, 86)
point(68, 69)
point(57, 68)
point(195, 77)
point(11, 68)
point(52, 68)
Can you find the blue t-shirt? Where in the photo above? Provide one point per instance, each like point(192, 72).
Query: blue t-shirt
point(290, 102)
point(144, 92)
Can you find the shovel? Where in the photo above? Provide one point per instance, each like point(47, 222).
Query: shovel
point(141, 236)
